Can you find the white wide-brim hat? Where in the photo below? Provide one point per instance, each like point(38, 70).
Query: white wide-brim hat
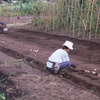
point(68, 44)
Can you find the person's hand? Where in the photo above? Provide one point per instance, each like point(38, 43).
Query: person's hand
point(73, 66)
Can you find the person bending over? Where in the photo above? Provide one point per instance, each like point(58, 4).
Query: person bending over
point(60, 59)
point(3, 27)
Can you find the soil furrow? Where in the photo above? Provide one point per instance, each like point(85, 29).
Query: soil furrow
point(71, 75)
point(22, 44)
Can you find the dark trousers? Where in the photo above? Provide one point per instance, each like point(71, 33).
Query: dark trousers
point(1, 30)
point(65, 64)
point(62, 65)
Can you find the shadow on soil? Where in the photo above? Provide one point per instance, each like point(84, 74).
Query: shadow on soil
point(8, 88)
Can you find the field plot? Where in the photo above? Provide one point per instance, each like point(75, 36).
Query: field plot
point(33, 83)
point(23, 54)
point(19, 81)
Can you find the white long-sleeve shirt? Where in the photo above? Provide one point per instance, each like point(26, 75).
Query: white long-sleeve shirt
point(59, 56)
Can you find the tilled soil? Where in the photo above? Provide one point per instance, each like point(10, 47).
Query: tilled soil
point(36, 47)
point(26, 83)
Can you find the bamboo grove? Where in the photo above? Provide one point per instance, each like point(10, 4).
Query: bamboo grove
point(79, 18)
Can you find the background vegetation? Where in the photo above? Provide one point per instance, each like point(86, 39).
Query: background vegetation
point(80, 18)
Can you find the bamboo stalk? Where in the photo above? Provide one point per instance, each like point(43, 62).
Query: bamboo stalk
point(47, 15)
point(98, 18)
point(53, 19)
point(69, 16)
point(57, 14)
point(91, 19)
point(74, 16)
point(71, 13)
point(62, 16)
point(80, 19)
point(87, 19)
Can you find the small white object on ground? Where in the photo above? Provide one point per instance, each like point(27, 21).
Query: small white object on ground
point(93, 72)
point(30, 49)
point(87, 71)
point(95, 69)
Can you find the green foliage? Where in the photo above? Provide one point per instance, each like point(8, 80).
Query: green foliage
point(98, 2)
point(25, 1)
point(2, 96)
point(27, 8)
point(77, 16)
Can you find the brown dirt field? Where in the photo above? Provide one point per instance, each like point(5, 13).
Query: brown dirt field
point(22, 43)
